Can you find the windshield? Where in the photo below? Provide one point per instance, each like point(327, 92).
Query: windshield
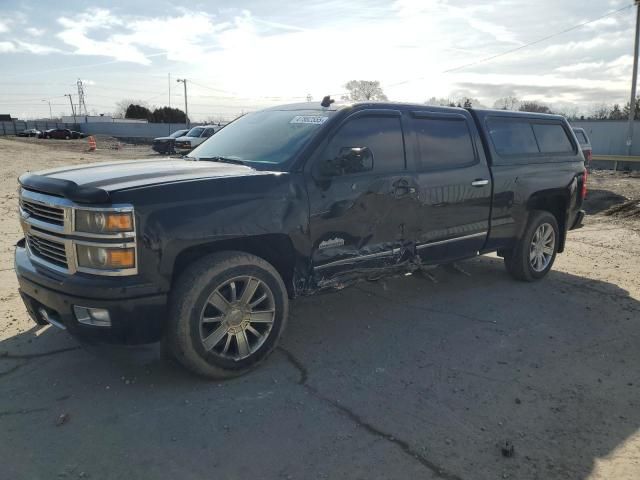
point(177, 133)
point(195, 132)
point(268, 136)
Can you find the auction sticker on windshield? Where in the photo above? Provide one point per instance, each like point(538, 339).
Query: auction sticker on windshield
point(309, 119)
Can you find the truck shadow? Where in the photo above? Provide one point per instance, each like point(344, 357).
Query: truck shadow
point(453, 366)
point(600, 200)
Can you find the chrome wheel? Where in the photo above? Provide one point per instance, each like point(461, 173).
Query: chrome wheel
point(542, 247)
point(237, 318)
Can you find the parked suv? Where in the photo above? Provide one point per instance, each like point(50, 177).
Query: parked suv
point(194, 137)
point(206, 252)
point(585, 145)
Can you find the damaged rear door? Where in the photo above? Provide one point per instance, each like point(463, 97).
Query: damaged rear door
point(357, 184)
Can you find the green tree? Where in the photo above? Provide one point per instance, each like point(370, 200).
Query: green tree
point(168, 115)
point(636, 114)
point(138, 112)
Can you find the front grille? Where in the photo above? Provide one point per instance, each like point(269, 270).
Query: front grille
point(48, 250)
point(44, 213)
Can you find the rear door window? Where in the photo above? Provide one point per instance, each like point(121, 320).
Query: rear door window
point(512, 137)
point(443, 142)
point(552, 138)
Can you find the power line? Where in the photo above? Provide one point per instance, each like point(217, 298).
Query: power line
point(521, 47)
point(535, 42)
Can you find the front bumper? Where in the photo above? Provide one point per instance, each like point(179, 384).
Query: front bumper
point(163, 147)
point(137, 316)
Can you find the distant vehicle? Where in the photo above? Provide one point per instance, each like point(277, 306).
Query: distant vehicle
point(30, 132)
point(585, 145)
point(167, 144)
point(194, 137)
point(61, 134)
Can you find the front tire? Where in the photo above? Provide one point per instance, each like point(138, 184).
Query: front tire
point(226, 314)
point(534, 254)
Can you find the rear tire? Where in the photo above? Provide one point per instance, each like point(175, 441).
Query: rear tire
point(226, 314)
point(534, 254)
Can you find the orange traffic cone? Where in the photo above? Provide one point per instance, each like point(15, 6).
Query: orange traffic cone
point(92, 143)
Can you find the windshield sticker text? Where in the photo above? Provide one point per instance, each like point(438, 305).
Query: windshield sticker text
point(309, 119)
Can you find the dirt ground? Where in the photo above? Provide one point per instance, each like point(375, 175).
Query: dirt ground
point(402, 378)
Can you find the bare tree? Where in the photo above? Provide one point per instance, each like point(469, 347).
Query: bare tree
point(601, 111)
point(507, 103)
point(360, 90)
point(534, 107)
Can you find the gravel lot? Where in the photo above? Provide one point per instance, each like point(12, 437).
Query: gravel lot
point(402, 378)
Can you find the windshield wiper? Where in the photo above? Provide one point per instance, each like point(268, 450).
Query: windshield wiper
point(222, 160)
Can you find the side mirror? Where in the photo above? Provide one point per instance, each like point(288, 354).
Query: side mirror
point(349, 160)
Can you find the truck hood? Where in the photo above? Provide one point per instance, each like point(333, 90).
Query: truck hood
point(92, 183)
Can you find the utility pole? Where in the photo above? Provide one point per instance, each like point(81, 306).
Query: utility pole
point(73, 109)
point(634, 78)
point(50, 114)
point(186, 110)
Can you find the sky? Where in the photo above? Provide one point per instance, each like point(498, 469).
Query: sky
point(243, 55)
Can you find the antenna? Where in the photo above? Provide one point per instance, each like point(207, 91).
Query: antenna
point(81, 100)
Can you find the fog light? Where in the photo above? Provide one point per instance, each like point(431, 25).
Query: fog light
point(98, 317)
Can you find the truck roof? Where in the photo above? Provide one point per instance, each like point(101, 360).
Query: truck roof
point(338, 105)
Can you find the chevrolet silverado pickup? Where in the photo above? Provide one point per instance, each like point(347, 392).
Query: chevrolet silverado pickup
point(205, 252)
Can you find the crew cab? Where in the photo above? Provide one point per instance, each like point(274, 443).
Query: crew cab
point(194, 137)
point(205, 252)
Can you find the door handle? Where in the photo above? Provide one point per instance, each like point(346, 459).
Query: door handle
point(481, 182)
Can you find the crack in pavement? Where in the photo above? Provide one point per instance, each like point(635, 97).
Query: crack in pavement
point(29, 356)
point(21, 412)
point(13, 369)
point(358, 420)
point(37, 355)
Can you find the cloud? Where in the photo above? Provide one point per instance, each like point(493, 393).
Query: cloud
point(579, 67)
point(76, 34)
point(7, 47)
point(4, 26)
point(128, 38)
point(18, 46)
point(35, 32)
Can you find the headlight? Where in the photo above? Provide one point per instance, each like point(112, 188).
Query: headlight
point(106, 258)
point(93, 221)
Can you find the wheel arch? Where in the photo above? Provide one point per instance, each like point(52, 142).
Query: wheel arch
point(277, 249)
point(556, 202)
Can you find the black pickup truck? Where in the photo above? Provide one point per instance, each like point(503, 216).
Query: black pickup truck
point(205, 252)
